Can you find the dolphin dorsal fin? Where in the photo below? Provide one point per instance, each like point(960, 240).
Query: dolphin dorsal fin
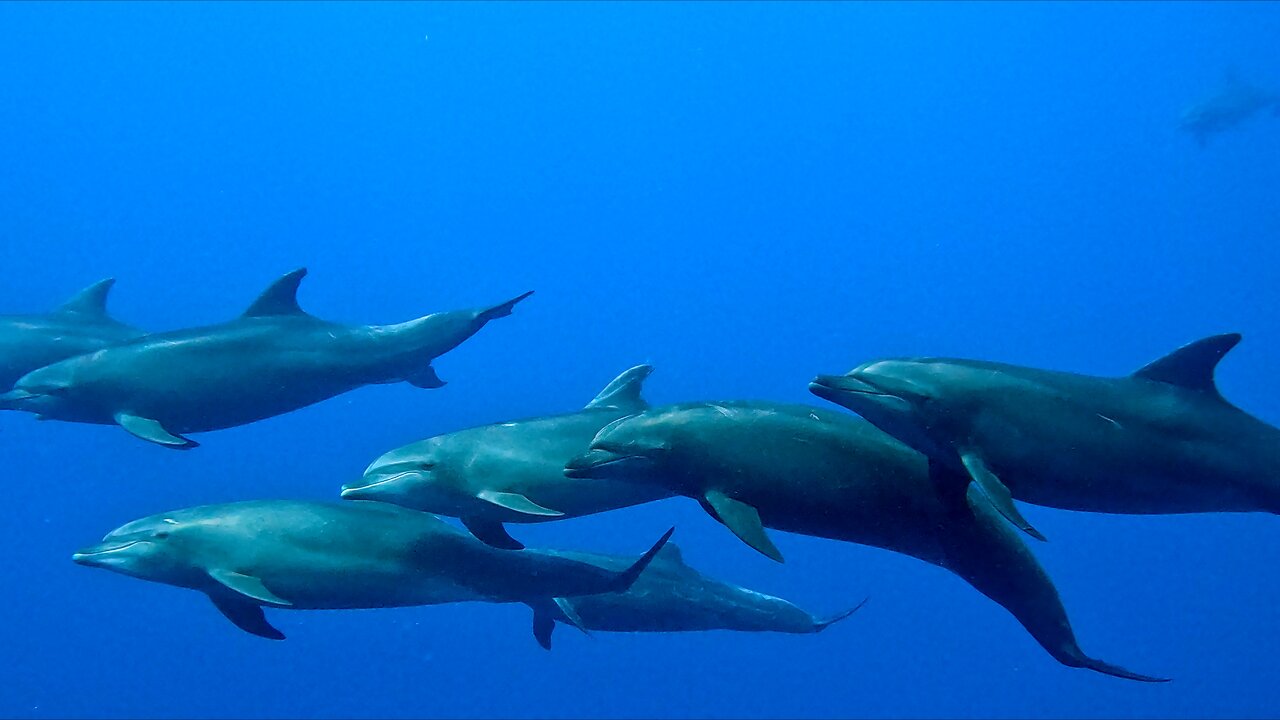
point(280, 297)
point(671, 553)
point(623, 392)
point(89, 301)
point(1191, 366)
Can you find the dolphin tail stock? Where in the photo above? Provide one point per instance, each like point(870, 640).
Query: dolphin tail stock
point(824, 623)
point(500, 310)
point(625, 579)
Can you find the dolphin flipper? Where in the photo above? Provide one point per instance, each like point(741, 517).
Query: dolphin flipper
point(996, 493)
point(492, 533)
point(743, 521)
point(543, 626)
point(823, 624)
point(247, 585)
point(516, 502)
point(246, 616)
point(544, 619)
point(152, 431)
point(426, 379)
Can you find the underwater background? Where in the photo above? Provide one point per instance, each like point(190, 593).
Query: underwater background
point(743, 195)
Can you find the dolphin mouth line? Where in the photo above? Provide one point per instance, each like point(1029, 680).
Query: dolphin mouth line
point(95, 552)
point(583, 466)
point(848, 384)
point(383, 481)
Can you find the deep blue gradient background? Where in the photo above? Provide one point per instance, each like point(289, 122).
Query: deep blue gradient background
point(744, 196)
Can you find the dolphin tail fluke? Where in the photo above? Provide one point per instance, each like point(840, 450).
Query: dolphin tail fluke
point(501, 310)
point(625, 579)
point(820, 625)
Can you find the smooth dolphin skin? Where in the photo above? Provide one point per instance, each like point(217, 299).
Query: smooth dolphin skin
point(670, 596)
point(299, 555)
point(512, 471)
point(1162, 440)
point(271, 360)
point(827, 474)
point(1235, 101)
point(79, 325)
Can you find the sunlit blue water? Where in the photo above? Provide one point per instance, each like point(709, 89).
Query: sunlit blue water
point(743, 196)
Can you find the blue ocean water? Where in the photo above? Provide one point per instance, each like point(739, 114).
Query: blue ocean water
point(743, 195)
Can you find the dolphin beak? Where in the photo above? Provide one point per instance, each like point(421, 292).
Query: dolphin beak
point(829, 387)
point(367, 486)
point(600, 463)
point(14, 399)
point(99, 555)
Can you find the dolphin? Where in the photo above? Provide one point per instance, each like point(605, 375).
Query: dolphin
point(511, 471)
point(273, 359)
point(827, 474)
point(297, 555)
point(1234, 102)
point(1160, 441)
point(670, 596)
point(79, 325)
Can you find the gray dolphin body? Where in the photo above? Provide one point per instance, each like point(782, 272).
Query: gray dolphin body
point(811, 471)
point(1162, 440)
point(330, 556)
point(272, 360)
point(512, 471)
point(670, 596)
point(79, 325)
point(1235, 102)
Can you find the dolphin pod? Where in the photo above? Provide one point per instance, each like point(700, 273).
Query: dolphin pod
point(934, 469)
point(271, 360)
point(753, 465)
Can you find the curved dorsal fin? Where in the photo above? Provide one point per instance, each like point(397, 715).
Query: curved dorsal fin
point(671, 553)
point(1191, 366)
point(280, 297)
point(89, 301)
point(623, 392)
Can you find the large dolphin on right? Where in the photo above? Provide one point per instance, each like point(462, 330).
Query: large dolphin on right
point(670, 596)
point(79, 325)
point(510, 471)
point(827, 474)
point(271, 360)
point(1162, 440)
point(298, 555)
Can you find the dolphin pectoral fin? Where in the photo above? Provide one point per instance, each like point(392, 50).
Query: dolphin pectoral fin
point(492, 533)
point(247, 616)
point(623, 392)
point(823, 624)
point(996, 493)
point(426, 379)
point(516, 502)
point(743, 521)
point(543, 626)
point(571, 613)
point(152, 431)
point(248, 586)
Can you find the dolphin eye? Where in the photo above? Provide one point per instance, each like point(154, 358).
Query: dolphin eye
point(162, 535)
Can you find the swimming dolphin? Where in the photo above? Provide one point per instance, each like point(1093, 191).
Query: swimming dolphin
point(512, 471)
point(670, 596)
point(297, 555)
point(1162, 440)
point(77, 326)
point(1233, 103)
point(753, 465)
point(271, 360)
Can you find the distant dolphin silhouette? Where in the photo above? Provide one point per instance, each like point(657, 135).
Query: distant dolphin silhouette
point(77, 326)
point(1233, 103)
point(273, 359)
